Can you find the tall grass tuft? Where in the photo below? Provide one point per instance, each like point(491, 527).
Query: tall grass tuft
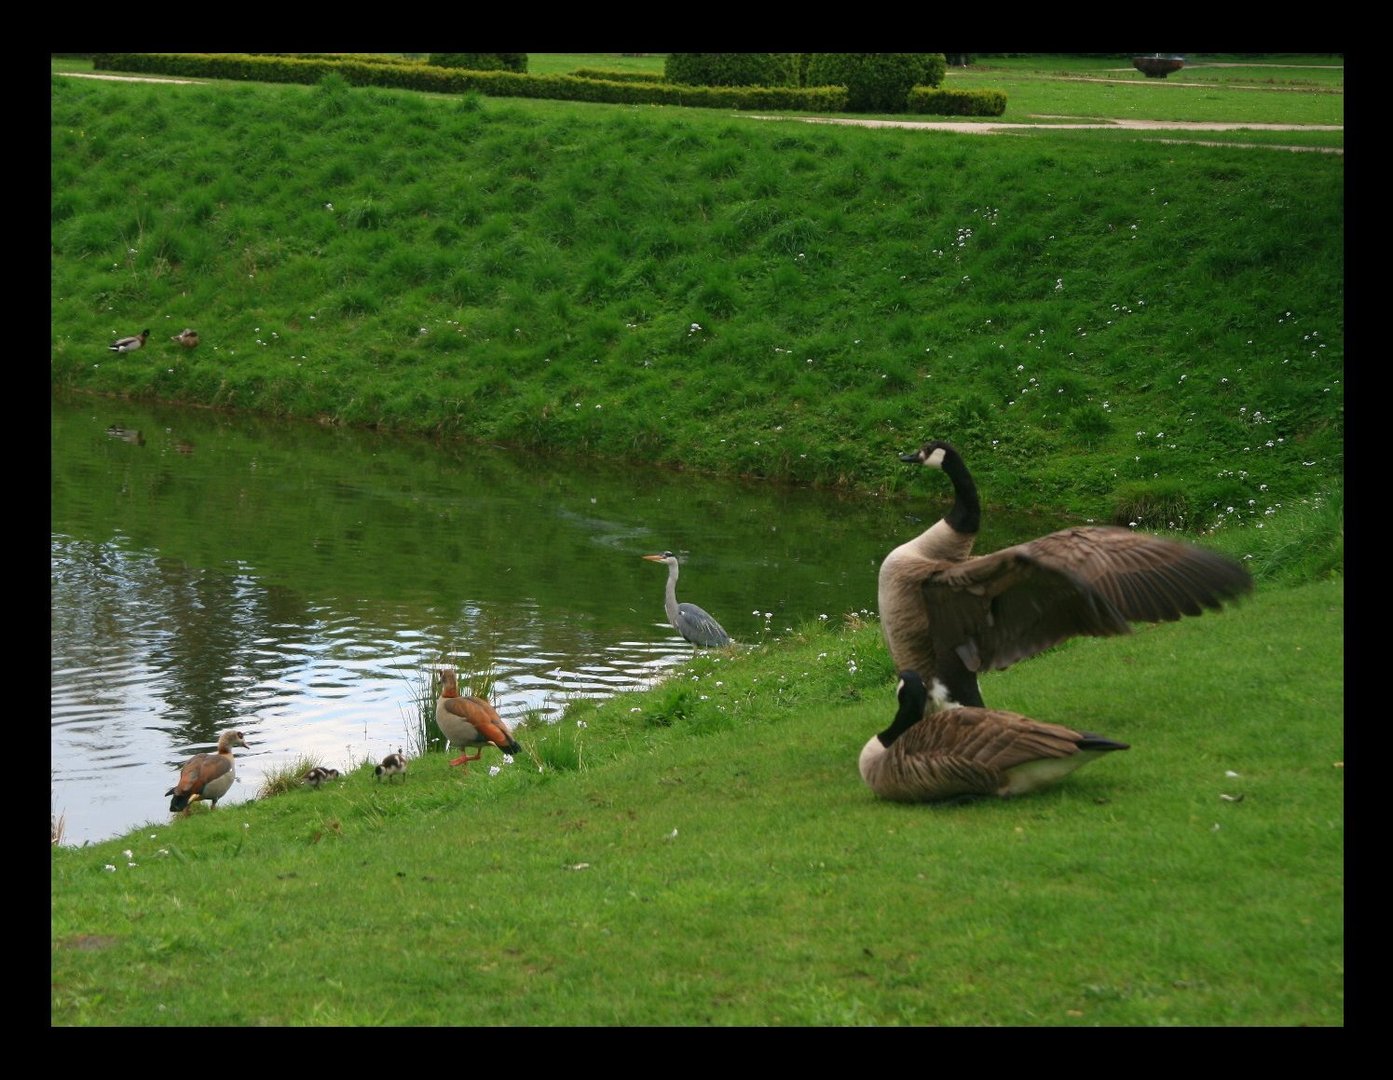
point(287, 777)
point(1309, 545)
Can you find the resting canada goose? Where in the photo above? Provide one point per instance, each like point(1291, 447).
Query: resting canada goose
point(187, 338)
point(948, 614)
point(207, 776)
point(129, 344)
point(963, 751)
point(692, 622)
point(468, 721)
point(392, 765)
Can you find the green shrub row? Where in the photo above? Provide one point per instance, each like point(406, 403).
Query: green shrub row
point(876, 82)
point(361, 58)
point(935, 102)
point(411, 75)
point(618, 76)
point(516, 62)
point(732, 69)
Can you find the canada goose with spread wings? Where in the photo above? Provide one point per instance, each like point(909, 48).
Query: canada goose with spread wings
point(948, 614)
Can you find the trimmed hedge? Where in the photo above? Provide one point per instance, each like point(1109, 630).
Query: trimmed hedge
point(480, 61)
point(732, 69)
point(413, 75)
point(926, 99)
point(619, 76)
point(361, 58)
point(877, 82)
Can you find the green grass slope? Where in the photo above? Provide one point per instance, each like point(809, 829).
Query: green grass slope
point(1118, 328)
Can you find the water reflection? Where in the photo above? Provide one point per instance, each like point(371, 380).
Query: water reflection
point(294, 581)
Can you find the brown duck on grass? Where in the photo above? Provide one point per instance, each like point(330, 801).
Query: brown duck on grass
point(207, 776)
point(129, 344)
point(948, 614)
point(936, 755)
point(468, 721)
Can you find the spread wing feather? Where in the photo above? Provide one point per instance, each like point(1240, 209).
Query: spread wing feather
point(996, 609)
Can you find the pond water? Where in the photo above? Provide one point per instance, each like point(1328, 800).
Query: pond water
point(298, 582)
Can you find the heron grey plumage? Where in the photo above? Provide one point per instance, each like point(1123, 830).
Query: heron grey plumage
point(692, 622)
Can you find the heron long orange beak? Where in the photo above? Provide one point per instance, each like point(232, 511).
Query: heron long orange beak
point(654, 558)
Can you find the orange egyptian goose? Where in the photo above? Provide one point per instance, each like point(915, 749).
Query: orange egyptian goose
point(207, 776)
point(468, 721)
point(948, 614)
point(392, 765)
point(129, 344)
point(965, 751)
point(187, 338)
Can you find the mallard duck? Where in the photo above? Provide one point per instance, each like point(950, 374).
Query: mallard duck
point(468, 721)
point(690, 621)
point(125, 434)
point(948, 614)
point(392, 765)
point(965, 751)
point(207, 776)
point(129, 344)
point(187, 338)
point(320, 774)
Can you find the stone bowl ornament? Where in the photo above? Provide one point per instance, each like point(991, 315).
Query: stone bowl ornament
point(1158, 66)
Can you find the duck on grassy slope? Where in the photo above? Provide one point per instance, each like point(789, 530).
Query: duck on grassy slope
point(207, 776)
point(129, 344)
point(468, 721)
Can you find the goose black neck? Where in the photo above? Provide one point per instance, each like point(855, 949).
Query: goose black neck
point(966, 514)
point(913, 698)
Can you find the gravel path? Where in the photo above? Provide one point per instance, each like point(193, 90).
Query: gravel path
point(992, 127)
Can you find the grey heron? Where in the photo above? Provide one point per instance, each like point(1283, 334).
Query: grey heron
point(690, 621)
point(948, 614)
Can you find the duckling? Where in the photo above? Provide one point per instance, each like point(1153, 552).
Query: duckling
point(187, 338)
point(129, 344)
point(320, 774)
point(207, 776)
point(955, 753)
point(392, 765)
